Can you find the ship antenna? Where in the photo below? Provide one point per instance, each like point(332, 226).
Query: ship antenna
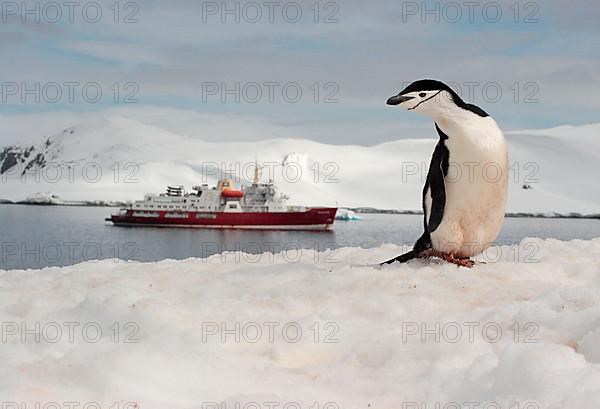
point(257, 171)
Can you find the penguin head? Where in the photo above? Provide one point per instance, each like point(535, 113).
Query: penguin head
point(429, 97)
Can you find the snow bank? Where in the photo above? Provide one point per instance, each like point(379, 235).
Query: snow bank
point(524, 330)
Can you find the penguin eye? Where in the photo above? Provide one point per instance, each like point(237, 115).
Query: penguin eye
point(422, 95)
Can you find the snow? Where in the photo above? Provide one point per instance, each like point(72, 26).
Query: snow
point(45, 198)
point(547, 307)
point(137, 157)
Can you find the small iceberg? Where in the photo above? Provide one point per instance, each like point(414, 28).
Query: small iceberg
point(346, 215)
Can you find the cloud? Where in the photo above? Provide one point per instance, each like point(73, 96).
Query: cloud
point(31, 128)
point(371, 52)
point(117, 51)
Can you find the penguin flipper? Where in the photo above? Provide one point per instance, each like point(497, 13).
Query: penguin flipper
point(436, 186)
point(401, 259)
point(423, 244)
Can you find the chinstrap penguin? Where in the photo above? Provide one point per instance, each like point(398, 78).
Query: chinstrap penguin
point(463, 210)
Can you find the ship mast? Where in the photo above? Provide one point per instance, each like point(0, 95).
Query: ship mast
point(257, 172)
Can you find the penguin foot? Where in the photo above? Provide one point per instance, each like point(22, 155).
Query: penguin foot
point(460, 262)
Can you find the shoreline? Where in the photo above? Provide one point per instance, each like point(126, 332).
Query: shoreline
point(513, 215)
point(359, 210)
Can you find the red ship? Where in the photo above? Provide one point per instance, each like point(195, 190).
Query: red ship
point(257, 206)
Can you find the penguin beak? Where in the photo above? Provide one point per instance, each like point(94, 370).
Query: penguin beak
point(398, 99)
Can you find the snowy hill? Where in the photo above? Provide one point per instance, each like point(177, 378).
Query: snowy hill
point(180, 334)
point(121, 159)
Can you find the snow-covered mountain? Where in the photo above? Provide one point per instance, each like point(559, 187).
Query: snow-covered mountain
point(120, 158)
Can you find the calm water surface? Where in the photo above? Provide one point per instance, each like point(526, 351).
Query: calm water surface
point(41, 236)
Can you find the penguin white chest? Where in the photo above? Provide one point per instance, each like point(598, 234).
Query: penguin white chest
point(475, 187)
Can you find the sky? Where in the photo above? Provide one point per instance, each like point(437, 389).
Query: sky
point(320, 70)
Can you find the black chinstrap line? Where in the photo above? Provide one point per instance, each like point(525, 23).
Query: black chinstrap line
point(425, 100)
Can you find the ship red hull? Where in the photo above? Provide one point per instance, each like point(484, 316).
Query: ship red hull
point(311, 219)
